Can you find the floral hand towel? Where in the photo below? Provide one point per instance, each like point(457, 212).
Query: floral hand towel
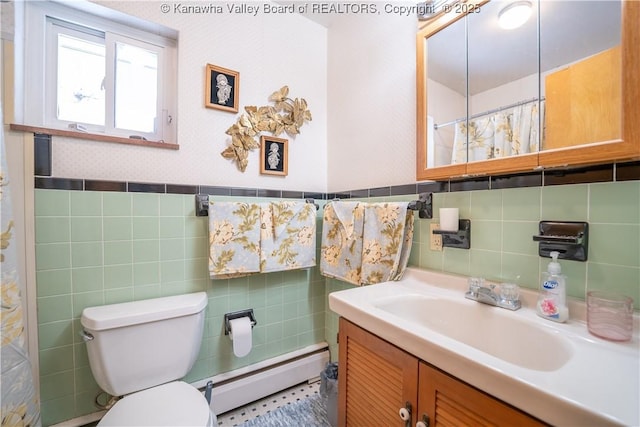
point(287, 236)
point(341, 246)
point(387, 236)
point(234, 239)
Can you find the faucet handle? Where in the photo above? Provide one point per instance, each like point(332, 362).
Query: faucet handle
point(475, 283)
point(509, 292)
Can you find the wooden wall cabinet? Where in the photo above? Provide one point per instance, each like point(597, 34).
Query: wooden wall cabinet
point(377, 379)
point(593, 115)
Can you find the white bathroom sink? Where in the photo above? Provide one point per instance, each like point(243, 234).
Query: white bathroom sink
point(557, 372)
point(485, 328)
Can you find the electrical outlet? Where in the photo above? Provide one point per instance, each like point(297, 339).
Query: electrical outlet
point(435, 242)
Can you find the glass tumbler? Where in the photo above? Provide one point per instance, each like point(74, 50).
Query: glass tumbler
point(610, 315)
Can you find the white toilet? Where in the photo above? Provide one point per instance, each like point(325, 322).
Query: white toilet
point(140, 350)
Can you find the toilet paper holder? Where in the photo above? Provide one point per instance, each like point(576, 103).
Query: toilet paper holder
point(228, 317)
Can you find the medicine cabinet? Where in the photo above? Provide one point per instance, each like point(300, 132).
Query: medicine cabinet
point(561, 90)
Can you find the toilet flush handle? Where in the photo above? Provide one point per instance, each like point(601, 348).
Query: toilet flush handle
point(86, 336)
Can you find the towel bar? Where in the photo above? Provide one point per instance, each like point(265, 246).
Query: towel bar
point(202, 204)
point(424, 205)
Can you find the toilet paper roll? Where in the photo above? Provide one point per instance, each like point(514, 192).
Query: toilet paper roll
point(241, 336)
point(449, 219)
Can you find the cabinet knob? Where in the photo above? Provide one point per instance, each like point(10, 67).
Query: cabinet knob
point(424, 422)
point(405, 414)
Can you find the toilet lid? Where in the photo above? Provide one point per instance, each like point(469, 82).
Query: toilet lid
point(173, 404)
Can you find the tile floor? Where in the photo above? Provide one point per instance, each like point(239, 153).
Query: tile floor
point(263, 406)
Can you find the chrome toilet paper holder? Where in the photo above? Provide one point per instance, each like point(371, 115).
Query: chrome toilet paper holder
point(228, 317)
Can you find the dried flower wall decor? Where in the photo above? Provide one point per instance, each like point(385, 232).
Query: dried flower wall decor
point(287, 115)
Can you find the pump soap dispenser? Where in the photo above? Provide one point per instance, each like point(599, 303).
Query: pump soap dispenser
point(552, 303)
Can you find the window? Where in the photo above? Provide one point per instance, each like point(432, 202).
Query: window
point(103, 76)
point(80, 64)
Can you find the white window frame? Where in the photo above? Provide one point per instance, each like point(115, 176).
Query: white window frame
point(112, 39)
point(51, 74)
point(41, 79)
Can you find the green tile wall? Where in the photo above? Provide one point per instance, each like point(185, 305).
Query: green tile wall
point(504, 221)
point(95, 248)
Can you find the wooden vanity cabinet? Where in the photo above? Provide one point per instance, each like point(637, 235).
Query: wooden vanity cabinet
point(448, 401)
point(376, 379)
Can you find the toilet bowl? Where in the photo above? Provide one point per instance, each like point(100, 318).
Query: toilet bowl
point(173, 404)
point(140, 350)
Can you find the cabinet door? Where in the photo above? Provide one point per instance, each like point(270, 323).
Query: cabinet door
point(375, 379)
point(450, 402)
point(595, 101)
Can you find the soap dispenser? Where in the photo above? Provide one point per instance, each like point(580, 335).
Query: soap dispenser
point(552, 303)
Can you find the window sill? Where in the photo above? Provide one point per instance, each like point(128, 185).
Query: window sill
point(93, 136)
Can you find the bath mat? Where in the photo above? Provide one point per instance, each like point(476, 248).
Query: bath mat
point(308, 412)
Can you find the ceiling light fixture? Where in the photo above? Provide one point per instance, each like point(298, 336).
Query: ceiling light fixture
point(514, 15)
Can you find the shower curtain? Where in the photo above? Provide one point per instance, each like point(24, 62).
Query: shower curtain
point(20, 406)
point(506, 133)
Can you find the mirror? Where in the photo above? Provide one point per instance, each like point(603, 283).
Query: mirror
point(447, 89)
point(581, 77)
point(499, 96)
point(503, 91)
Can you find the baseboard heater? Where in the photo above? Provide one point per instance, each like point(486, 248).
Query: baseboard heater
point(245, 385)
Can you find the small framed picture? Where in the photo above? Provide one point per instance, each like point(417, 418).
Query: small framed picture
point(273, 156)
point(222, 88)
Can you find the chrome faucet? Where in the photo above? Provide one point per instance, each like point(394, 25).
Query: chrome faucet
point(506, 297)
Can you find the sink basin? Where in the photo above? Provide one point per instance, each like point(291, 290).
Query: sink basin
point(483, 327)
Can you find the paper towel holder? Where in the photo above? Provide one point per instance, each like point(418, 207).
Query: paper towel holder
point(228, 317)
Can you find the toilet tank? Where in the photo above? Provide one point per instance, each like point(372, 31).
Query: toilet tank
point(137, 345)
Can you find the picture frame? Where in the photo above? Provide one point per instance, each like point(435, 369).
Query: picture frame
point(222, 88)
point(274, 156)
